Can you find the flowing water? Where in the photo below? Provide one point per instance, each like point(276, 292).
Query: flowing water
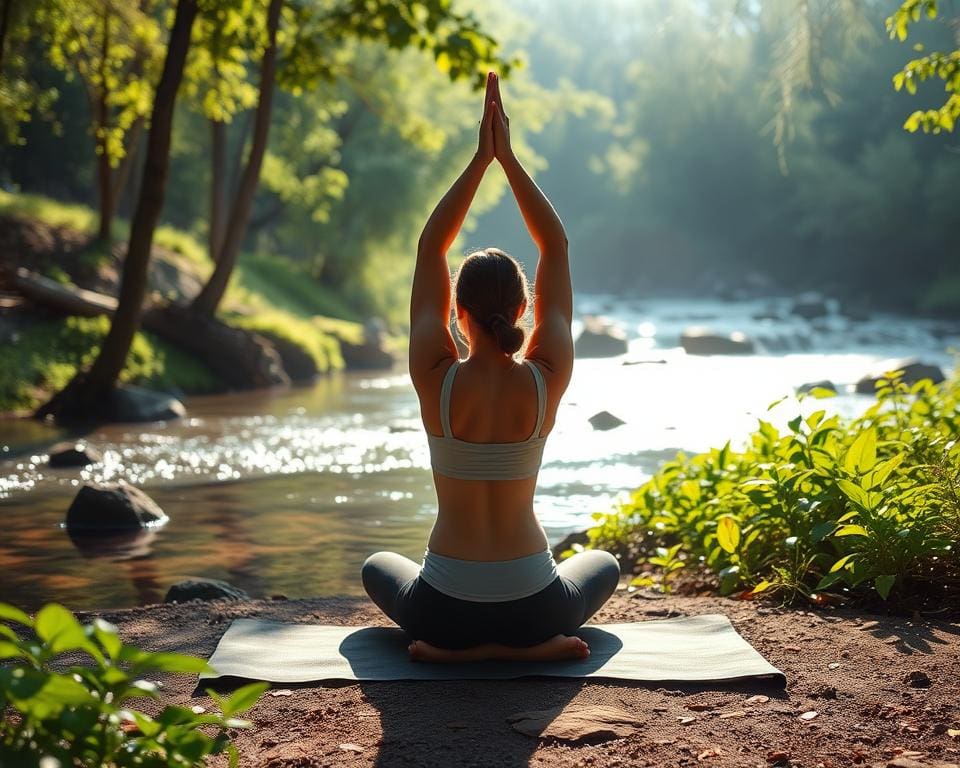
point(287, 492)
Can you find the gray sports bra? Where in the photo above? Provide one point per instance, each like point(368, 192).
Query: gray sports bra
point(463, 460)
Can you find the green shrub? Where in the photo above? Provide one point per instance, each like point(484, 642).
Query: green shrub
point(323, 347)
point(79, 714)
point(865, 507)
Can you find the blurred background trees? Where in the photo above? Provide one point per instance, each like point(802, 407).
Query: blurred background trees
point(689, 147)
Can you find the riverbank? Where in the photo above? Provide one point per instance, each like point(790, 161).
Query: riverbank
point(863, 676)
point(308, 329)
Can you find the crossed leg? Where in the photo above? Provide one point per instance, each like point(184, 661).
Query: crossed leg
point(593, 574)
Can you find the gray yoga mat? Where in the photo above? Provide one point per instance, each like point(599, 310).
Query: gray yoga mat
point(693, 648)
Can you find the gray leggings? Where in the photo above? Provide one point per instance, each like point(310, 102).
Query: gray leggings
point(584, 583)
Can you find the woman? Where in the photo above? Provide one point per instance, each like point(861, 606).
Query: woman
point(489, 586)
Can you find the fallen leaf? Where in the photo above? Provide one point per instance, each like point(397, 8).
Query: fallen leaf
point(953, 733)
point(686, 720)
point(809, 715)
point(793, 648)
point(708, 753)
point(280, 692)
point(351, 748)
point(757, 700)
point(728, 715)
point(834, 665)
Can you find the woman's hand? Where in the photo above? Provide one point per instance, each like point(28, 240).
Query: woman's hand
point(485, 144)
point(501, 123)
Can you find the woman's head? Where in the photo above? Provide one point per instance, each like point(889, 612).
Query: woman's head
point(490, 287)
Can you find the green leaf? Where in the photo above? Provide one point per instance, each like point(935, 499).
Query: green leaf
point(244, 698)
point(862, 455)
point(58, 628)
point(841, 563)
point(11, 613)
point(729, 579)
point(884, 584)
point(763, 586)
point(728, 534)
point(169, 662)
point(851, 530)
point(829, 580)
point(821, 393)
point(855, 493)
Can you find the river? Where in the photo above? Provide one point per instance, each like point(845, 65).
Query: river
point(285, 493)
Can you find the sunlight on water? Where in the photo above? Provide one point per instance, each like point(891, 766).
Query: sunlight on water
point(287, 492)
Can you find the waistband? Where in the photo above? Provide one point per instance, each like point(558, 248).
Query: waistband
point(493, 581)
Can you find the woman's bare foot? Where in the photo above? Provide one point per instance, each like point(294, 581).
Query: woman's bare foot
point(557, 648)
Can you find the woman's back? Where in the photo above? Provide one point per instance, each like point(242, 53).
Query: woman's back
point(494, 407)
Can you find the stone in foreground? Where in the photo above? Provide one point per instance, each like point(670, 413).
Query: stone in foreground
point(204, 589)
point(112, 507)
point(64, 455)
point(576, 723)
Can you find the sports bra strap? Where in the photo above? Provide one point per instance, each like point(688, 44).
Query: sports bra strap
point(445, 391)
point(541, 398)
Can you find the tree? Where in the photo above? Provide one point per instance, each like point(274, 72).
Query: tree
point(85, 397)
point(945, 66)
point(456, 41)
point(113, 48)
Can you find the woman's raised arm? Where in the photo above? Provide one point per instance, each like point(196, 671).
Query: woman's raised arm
point(551, 342)
point(430, 340)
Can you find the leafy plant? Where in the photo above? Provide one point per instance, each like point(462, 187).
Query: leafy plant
point(78, 715)
point(865, 507)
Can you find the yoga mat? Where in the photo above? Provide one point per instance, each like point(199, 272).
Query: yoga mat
point(690, 648)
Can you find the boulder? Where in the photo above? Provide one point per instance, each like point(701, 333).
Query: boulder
point(570, 541)
point(600, 338)
point(822, 384)
point(112, 507)
point(605, 420)
point(577, 723)
point(128, 404)
point(809, 306)
point(697, 340)
point(365, 357)
point(203, 589)
point(913, 371)
point(73, 455)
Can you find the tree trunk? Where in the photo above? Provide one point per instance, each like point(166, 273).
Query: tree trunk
point(79, 401)
point(104, 173)
point(4, 29)
point(122, 174)
point(209, 298)
point(218, 190)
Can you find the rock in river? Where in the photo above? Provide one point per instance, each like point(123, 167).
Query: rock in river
point(203, 589)
point(913, 371)
point(73, 455)
point(605, 420)
point(600, 338)
point(112, 507)
point(697, 340)
point(135, 404)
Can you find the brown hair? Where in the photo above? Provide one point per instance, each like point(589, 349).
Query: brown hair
point(491, 287)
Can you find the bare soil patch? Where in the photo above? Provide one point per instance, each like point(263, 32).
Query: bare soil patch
point(862, 690)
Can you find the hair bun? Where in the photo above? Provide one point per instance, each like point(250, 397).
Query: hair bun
point(509, 336)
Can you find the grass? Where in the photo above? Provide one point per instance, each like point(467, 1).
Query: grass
point(44, 357)
point(863, 510)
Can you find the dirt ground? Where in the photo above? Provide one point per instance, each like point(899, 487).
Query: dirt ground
point(885, 690)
